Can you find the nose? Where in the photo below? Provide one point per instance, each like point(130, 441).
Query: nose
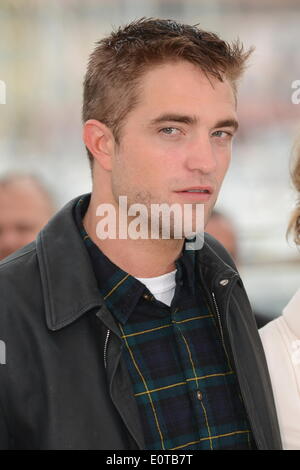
point(201, 155)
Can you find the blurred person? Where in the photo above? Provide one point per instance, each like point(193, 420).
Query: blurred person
point(221, 227)
point(281, 341)
point(25, 207)
point(123, 343)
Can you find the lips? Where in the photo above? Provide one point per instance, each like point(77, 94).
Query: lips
point(197, 190)
point(195, 194)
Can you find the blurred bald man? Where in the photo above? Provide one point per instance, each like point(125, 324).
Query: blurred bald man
point(222, 228)
point(25, 207)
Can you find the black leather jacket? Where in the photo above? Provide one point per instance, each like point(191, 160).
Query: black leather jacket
point(63, 385)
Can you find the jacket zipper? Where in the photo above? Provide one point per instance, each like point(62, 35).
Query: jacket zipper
point(105, 347)
point(219, 320)
point(254, 427)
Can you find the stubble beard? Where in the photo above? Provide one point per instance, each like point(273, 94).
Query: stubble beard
point(165, 228)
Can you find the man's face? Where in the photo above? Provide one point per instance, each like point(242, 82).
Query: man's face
point(177, 138)
point(23, 212)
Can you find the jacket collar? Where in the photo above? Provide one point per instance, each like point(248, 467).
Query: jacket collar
point(215, 265)
point(68, 281)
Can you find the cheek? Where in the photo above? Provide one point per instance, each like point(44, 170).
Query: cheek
point(146, 163)
point(224, 167)
point(224, 158)
point(29, 236)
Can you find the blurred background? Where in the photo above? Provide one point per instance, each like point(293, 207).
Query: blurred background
point(44, 48)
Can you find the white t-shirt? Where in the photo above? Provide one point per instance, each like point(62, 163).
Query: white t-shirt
point(162, 287)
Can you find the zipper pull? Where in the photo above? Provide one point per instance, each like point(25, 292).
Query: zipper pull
point(105, 348)
point(220, 326)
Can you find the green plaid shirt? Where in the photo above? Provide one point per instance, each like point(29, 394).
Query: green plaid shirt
point(186, 389)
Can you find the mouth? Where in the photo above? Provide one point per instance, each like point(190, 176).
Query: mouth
point(201, 193)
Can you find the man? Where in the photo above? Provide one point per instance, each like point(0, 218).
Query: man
point(122, 342)
point(221, 227)
point(25, 207)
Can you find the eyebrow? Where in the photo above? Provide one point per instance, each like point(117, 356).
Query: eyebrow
point(192, 120)
point(228, 123)
point(174, 118)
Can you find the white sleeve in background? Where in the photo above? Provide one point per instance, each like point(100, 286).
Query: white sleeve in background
point(281, 342)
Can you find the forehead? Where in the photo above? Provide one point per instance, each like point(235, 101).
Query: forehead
point(184, 87)
point(22, 202)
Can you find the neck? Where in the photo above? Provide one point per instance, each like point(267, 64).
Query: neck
point(140, 258)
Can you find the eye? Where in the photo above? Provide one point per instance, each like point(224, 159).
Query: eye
point(221, 134)
point(169, 131)
point(22, 228)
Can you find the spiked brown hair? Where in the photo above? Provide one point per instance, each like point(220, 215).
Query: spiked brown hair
point(115, 68)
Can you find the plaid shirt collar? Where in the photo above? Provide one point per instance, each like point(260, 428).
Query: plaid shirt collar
point(122, 301)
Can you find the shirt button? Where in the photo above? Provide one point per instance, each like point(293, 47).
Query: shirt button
point(224, 282)
point(199, 395)
point(147, 296)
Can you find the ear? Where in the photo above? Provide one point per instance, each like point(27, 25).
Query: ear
point(100, 141)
